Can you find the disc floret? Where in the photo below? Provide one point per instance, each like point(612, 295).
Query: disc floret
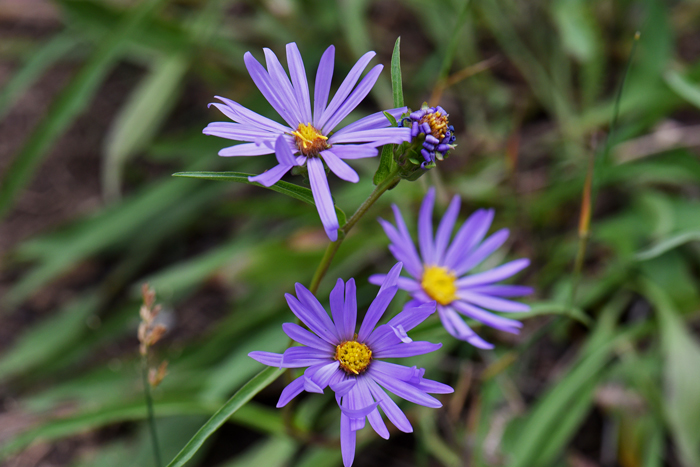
point(440, 284)
point(433, 123)
point(354, 357)
point(309, 140)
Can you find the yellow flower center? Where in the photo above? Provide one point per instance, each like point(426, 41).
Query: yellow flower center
point(439, 284)
point(438, 124)
point(353, 357)
point(309, 140)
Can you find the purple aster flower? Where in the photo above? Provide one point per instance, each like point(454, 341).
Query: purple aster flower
point(306, 138)
point(433, 123)
point(440, 272)
point(351, 362)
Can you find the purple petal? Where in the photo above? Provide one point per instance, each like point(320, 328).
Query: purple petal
point(374, 418)
point(359, 413)
point(470, 234)
point(298, 357)
point(493, 303)
point(354, 99)
point(489, 319)
point(267, 358)
point(503, 290)
point(247, 149)
point(345, 88)
point(355, 151)
point(459, 329)
point(322, 373)
point(373, 121)
point(343, 387)
point(375, 312)
point(264, 83)
point(400, 332)
point(312, 304)
point(404, 390)
point(337, 301)
point(484, 250)
point(425, 227)
point(238, 113)
point(322, 87)
point(292, 390)
point(283, 152)
point(350, 309)
point(281, 85)
point(301, 86)
point(404, 373)
point(434, 387)
point(392, 411)
point(402, 247)
point(392, 277)
point(347, 440)
point(237, 132)
point(408, 245)
point(322, 197)
point(311, 386)
point(406, 350)
point(493, 275)
point(410, 317)
point(302, 336)
point(386, 135)
point(272, 176)
point(442, 238)
point(309, 318)
point(340, 168)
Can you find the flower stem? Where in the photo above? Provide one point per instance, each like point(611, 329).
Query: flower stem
point(389, 182)
point(151, 416)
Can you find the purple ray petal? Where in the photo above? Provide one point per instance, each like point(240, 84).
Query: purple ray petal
point(302, 336)
point(352, 401)
point(471, 233)
point(493, 275)
point(408, 246)
point(309, 318)
point(322, 87)
point(484, 250)
point(281, 85)
point(392, 277)
point(347, 441)
point(292, 390)
point(459, 329)
point(425, 227)
point(322, 373)
point(404, 390)
point(434, 387)
point(343, 387)
point(237, 132)
point(322, 197)
point(340, 168)
point(401, 334)
point(311, 386)
point(387, 135)
point(246, 149)
point(406, 350)
point(283, 152)
point(272, 176)
point(374, 418)
point(503, 290)
point(264, 83)
point(444, 231)
point(392, 411)
point(350, 309)
point(312, 304)
point(355, 151)
point(357, 95)
point(404, 373)
point(245, 115)
point(337, 302)
point(492, 303)
point(489, 319)
point(298, 357)
point(267, 358)
point(375, 312)
point(402, 248)
point(375, 120)
point(410, 317)
point(301, 86)
point(345, 88)
point(361, 412)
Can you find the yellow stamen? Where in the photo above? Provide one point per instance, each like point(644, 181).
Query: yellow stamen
point(438, 124)
point(309, 140)
point(353, 356)
point(440, 284)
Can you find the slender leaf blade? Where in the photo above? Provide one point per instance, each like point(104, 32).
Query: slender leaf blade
point(396, 82)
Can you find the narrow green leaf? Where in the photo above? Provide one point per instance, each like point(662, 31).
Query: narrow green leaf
point(140, 117)
point(668, 244)
point(396, 83)
point(69, 104)
point(246, 393)
point(290, 189)
point(683, 87)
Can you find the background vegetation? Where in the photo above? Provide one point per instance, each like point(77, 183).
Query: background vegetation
point(102, 100)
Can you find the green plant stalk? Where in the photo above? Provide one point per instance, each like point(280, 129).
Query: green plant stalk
point(389, 182)
point(151, 414)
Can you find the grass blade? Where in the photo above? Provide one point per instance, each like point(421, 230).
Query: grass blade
point(246, 393)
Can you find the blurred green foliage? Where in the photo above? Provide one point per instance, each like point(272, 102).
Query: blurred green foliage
point(611, 379)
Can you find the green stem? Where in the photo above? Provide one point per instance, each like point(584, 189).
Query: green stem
point(389, 182)
point(151, 415)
